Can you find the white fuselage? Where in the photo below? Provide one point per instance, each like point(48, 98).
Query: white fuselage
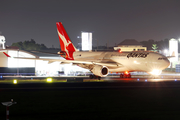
point(125, 61)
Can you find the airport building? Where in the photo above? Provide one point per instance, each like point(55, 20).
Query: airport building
point(26, 67)
point(130, 45)
point(86, 41)
point(173, 50)
point(11, 66)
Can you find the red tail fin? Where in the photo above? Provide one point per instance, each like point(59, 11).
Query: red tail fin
point(65, 42)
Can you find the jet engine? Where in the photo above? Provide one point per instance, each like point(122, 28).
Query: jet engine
point(100, 70)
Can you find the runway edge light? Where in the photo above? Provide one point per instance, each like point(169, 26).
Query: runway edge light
point(49, 80)
point(15, 81)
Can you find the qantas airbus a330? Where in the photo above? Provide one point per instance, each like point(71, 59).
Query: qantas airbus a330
point(101, 63)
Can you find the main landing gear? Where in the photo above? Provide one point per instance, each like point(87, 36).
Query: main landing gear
point(125, 75)
point(94, 77)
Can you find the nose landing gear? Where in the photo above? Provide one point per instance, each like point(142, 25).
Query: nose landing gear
point(125, 75)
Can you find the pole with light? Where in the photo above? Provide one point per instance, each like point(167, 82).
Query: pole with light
point(7, 104)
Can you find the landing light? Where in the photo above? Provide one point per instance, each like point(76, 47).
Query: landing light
point(156, 72)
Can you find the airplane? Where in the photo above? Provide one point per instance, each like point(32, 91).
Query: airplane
point(101, 63)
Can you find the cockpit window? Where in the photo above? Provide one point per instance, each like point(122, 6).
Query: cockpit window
point(162, 58)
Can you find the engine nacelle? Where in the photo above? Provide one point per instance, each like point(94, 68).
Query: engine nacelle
point(100, 70)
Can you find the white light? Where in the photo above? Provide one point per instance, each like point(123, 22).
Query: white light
point(156, 72)
point(15, 81)
point(49, 79)
point(165, 51)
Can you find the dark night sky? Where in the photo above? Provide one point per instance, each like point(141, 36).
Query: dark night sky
point(111, 21)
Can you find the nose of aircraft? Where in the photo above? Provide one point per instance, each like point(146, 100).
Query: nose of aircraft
point(158, 65)
point(160, 62)
point(164, 63)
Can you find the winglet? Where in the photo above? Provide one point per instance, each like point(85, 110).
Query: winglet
point(6, 54)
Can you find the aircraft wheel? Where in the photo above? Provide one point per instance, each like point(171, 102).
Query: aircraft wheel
point(121, 76)
point(99, 78)
point(91, 76)
point(94, 76)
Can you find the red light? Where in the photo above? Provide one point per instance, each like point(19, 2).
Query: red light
point(126, 72)
point(119, 51)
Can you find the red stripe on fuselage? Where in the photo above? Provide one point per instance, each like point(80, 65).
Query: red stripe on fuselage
point(6, 54)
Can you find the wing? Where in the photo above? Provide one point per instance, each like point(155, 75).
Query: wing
point(63, 61)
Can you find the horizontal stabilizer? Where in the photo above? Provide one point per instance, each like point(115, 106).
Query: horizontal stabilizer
point(172, 55)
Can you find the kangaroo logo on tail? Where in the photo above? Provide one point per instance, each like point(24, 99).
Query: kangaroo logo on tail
point(65, 42)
